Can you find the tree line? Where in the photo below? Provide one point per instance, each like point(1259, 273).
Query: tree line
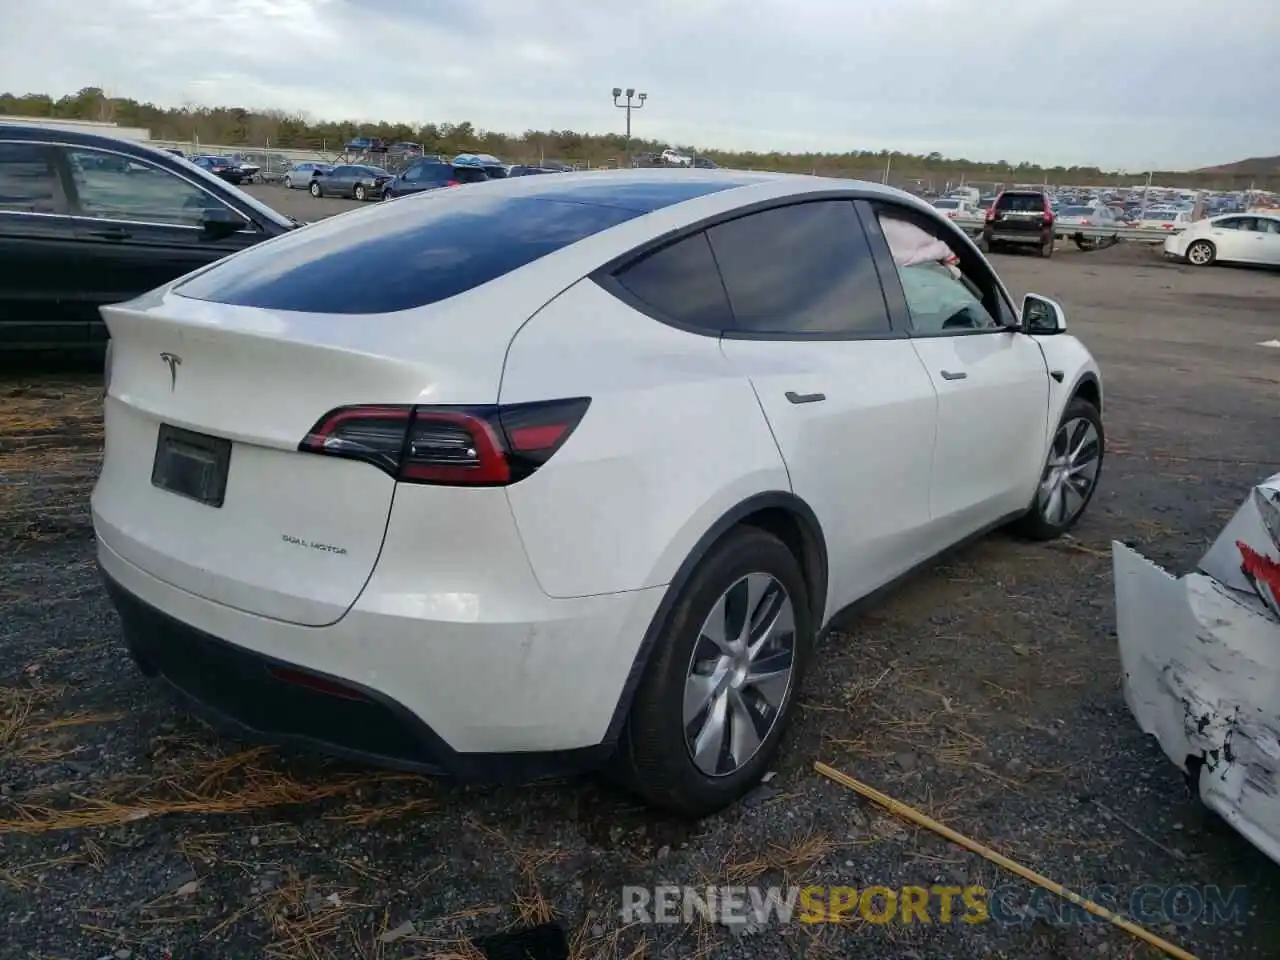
point(276, 129)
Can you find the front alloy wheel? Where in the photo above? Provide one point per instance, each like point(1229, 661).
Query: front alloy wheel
point(315, 189)
point(360, 192)
point(1070, 475)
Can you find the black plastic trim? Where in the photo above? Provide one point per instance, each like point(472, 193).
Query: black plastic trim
point(146, 629)
point(1088, 377)
point(816, 572)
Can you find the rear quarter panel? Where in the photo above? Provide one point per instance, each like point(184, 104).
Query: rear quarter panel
point(673, 439)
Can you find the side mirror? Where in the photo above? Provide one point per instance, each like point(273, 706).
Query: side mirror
point(219, 222)
point(1042, 316)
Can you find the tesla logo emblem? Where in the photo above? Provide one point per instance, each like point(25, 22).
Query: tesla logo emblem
point(173, 361)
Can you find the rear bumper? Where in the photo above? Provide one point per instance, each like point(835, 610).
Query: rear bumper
point(498, 701)
point(1035, 238)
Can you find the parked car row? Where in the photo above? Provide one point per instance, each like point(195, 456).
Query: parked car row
point(362, 181)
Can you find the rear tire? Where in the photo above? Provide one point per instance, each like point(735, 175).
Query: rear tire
point(666, 728)
point(1201, 253)
point(1075, 455)
point(1046, 249)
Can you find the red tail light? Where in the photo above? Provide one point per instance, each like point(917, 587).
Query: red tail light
point(991, 212)
point(1085, 222)
point(1048, 212)
point(453, 183)
point(489, 446)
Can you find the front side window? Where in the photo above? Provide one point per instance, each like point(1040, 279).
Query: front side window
point(681, 282)
point(28, 183)
point(1268, 225)
point(112, 187)
point(804, 270)
point(944, 294)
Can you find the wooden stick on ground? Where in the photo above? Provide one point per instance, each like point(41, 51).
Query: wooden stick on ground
point(899, 809)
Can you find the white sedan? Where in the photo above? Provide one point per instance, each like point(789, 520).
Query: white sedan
point(957, 208)
point(1233, 238)
point(1172, 220)
point(580, 480)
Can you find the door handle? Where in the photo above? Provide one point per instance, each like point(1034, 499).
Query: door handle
point(805, 397)
point(948, 375)
point(112, 233)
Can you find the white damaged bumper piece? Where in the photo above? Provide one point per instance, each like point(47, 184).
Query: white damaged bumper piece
point(1201, 662)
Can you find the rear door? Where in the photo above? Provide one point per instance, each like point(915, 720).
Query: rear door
point(42, 304)
point(992, 384)
point(850, 405)
point(1269, 229)
point(1230, 237)
point(138, 225)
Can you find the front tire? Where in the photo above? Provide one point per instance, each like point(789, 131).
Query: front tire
point(359, 192)
point(723, 682)
point(315, 189)
point(1070, 475)
point(1201, 253)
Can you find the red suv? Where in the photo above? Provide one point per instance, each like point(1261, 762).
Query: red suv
point(1019, 217)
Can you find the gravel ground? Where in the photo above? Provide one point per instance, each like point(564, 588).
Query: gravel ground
point(984, 692)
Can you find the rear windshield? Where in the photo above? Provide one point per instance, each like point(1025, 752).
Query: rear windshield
point(947, 204)
point(1076, 211)
point(400, 255)
point(1022, 202)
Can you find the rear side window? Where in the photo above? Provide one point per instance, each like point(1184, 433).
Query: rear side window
point(26, 179)
point(464, 174)
point(434, 173)
point(1021, 202)
point(803, 270)
point(418, 253)
point(681, 282)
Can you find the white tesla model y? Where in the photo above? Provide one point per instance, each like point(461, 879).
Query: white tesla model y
point(507, 481)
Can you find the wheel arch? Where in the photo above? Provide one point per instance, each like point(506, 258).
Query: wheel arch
point(1088, 388)
point(779, 512)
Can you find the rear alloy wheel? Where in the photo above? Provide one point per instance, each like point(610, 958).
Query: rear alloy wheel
point(1201, 253)
point(722, 684)
point(315, 189)
point(360, 192)
point(288, 183)
point(1046, 249)
point(1070, 475)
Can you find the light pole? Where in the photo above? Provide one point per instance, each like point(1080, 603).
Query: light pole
point(633, 102)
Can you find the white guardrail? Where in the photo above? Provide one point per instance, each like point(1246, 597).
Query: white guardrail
point(974, 225)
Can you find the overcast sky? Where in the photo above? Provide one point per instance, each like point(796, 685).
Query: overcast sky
point(1120, 83)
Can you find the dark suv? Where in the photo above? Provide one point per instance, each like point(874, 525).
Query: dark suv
point(431, 173)
point(1021, 218)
